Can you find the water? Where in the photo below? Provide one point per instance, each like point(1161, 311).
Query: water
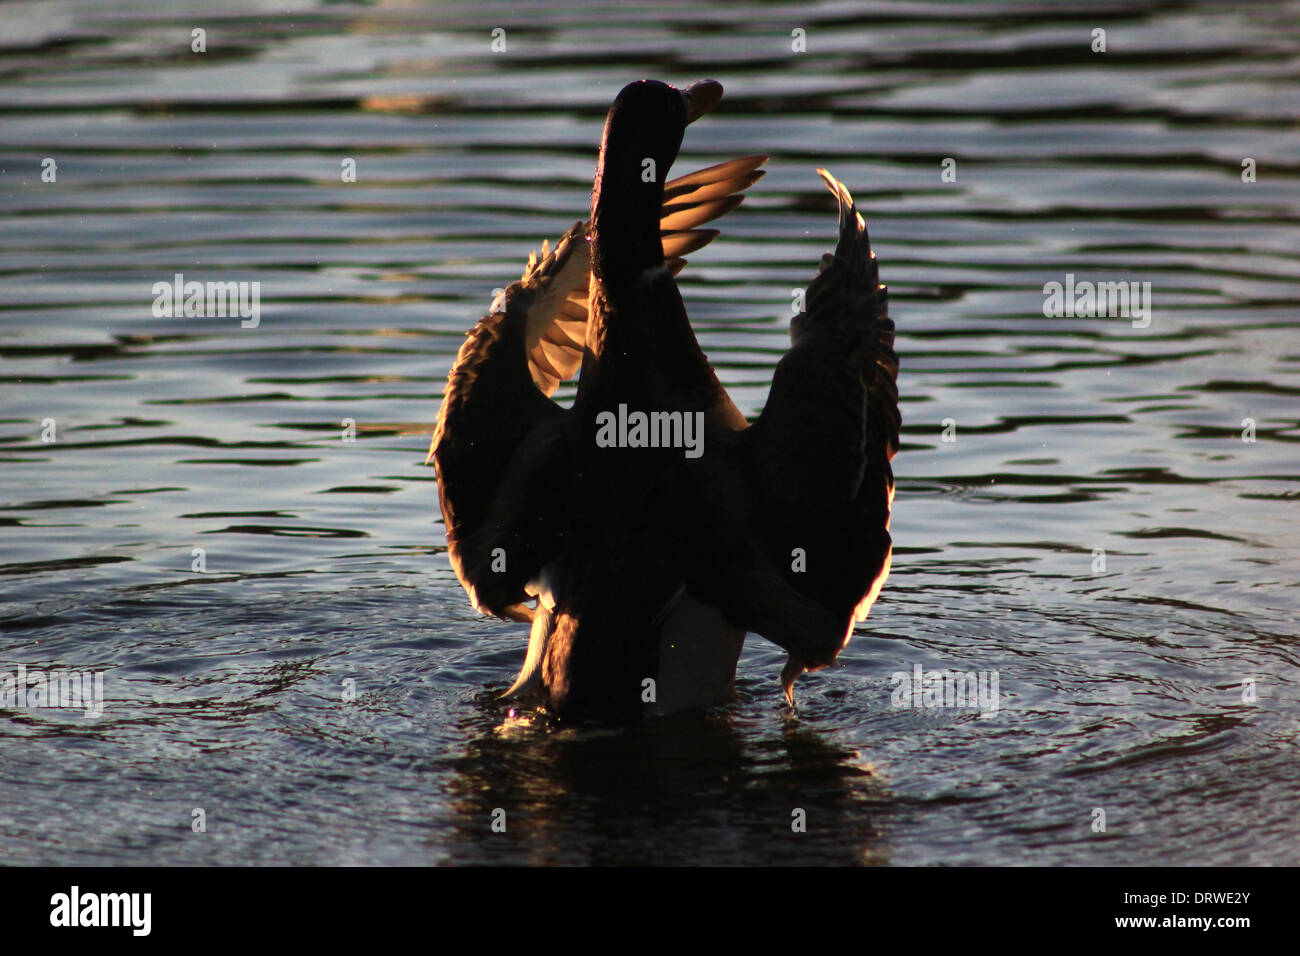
point(1121, 689)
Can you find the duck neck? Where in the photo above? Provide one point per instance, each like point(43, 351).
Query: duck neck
point(638, 329)
point(625, 211)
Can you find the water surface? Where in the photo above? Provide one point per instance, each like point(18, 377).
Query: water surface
point(1121, 687)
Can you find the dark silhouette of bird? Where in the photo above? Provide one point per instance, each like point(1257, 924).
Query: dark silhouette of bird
point(642, 563)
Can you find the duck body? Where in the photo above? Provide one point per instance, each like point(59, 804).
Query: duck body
point(649, 566)
point(618, 575)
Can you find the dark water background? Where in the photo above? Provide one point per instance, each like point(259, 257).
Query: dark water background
point(1121, 689)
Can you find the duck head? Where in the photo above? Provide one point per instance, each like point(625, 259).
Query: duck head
point(643, 132)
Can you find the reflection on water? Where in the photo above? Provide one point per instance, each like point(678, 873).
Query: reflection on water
point(688, 790)
point(235, 525)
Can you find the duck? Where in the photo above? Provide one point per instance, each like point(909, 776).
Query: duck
point(640, 568)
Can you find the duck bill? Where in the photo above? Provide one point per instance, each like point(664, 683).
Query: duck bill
point(700, 98)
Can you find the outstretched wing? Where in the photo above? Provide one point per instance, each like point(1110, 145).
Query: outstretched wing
point(814, 469)
point(557, 324)
point(497, 399)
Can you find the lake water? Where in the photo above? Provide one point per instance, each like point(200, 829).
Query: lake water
point(1100, 533)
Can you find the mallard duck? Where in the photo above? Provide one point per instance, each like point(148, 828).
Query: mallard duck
point(649, 564)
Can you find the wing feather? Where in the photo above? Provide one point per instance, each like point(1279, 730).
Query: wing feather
point(498, 392)
point(814, 469)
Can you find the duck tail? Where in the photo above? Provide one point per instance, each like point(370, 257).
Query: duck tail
point(528, 685)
